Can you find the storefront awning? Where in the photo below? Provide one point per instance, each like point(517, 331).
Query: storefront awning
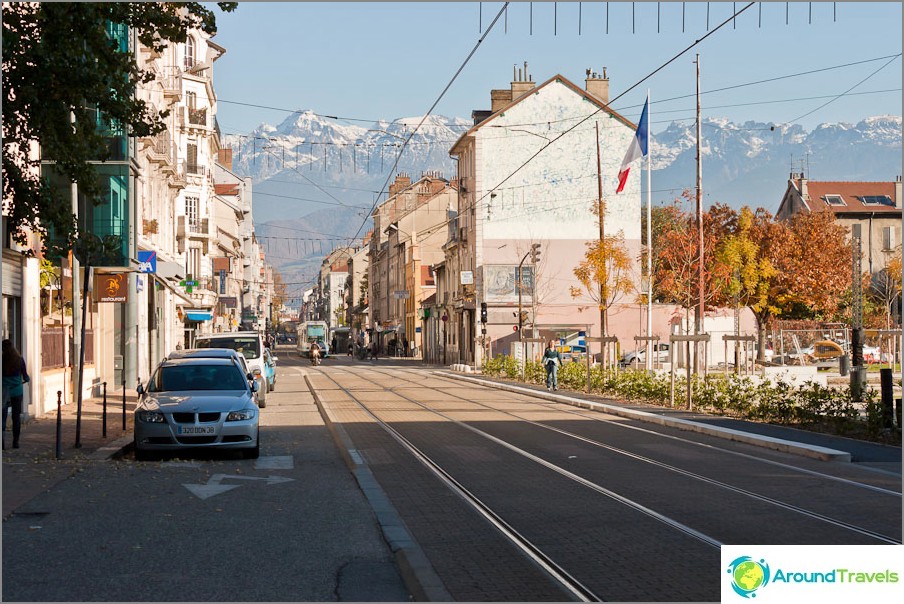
point(198, 315)
point(170, 270)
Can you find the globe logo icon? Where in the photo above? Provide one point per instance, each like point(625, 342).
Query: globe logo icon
point(748, 575)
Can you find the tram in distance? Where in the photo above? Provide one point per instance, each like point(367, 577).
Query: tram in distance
point(309, 332)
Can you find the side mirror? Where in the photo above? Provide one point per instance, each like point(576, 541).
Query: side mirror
point(249, 376)
point(274, 359)
point(140, 389)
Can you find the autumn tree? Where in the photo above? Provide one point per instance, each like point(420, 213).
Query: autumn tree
point(676, 274)
point(66, 85)
point(812, 257)
point(745, 252)
point(605, 274)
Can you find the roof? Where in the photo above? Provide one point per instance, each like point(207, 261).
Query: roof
point(226, 189)
point(556, 78)
point(852, 195)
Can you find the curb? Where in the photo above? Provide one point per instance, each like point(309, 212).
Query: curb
point(776, 444)
point(415, 568)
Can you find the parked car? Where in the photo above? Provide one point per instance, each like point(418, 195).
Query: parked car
point(251, 344)
point(197, 403)
point(639, 357)
point(215, 353)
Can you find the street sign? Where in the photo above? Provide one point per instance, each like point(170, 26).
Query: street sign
point(401, 294)
point(147, 262)
point(467, 277)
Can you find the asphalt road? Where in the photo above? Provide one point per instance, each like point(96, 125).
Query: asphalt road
point(290, 526)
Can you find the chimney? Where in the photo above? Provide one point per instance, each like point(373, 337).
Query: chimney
point(224, 158)
point(402, 181)
point(598, 85)
point(802, 185)
point(522, 83)
point(898, 199)
point(499, 99)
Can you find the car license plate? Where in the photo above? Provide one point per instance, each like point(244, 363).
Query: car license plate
point(197, 430)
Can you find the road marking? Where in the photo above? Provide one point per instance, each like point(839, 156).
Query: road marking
point(275, 462)
point(213, 486)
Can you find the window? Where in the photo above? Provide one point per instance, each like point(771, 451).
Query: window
point(193, 262)
point(192, 162)
point(888, 238)
point(834, 200)
point(191, 99)
point(193, 214)
point(877, 200)
point(189, 53)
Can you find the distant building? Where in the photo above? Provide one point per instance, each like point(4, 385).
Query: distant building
point(875, 206)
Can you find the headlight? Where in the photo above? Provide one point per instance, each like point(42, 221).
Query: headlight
point(237, 416)
point(151, 417)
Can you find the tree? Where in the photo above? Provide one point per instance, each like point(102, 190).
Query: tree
point(676, 271)
point(67, 84)
point(885, 287)
point(605, 273)
point(812, 258)
point(745, 252)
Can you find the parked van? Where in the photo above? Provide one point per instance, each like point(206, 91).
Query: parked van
point(251, 344)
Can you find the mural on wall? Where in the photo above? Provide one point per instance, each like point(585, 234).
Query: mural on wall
point(501, 283)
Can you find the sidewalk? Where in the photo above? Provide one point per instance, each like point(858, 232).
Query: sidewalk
point(33, 468)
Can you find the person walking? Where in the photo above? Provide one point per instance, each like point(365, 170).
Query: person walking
point(14, 376)
point(551, 362)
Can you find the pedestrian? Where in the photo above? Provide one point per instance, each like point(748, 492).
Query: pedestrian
point(14, 376)
point(551, 362)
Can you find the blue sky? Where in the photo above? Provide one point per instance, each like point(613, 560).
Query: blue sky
point(382, 60)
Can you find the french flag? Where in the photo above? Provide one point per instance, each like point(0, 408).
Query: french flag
point(638, 147)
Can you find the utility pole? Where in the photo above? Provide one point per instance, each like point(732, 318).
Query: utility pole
point(602, 213)
point(699, 326)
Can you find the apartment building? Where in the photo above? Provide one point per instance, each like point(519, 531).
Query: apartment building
point(530, 169)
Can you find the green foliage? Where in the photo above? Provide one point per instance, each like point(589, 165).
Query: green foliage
point(811, 406)
point(66, 60)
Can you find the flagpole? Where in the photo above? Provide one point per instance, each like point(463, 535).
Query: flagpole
point(650, 347)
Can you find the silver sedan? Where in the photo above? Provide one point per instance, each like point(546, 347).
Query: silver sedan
point(197, 403)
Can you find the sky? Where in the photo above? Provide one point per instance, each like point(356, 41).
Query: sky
point(366, 61)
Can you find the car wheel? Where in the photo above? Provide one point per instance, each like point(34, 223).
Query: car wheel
point(273, 386)
point(262, 395)
point(256, 451)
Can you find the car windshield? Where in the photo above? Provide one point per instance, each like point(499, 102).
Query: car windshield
point(197, 377)
point(248, 346)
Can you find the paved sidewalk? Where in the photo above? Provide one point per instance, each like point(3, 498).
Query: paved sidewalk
point(33, 468)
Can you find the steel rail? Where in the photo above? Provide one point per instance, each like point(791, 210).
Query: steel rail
point(711, 481)
point(559, 574)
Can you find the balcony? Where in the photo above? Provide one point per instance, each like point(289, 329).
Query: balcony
point(193, 229)
point(172, 83)
point(193, 118)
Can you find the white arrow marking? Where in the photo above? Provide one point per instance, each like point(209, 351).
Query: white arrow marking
point(213, 486)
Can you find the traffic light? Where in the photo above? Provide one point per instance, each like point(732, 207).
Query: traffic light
point(483, 312)
point(534, 252)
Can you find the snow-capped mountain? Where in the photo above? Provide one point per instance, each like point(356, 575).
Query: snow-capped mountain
point(311, 164)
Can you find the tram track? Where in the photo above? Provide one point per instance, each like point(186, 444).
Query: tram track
point(796, 509)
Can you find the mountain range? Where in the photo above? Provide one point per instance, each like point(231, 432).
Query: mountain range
point(316, 181)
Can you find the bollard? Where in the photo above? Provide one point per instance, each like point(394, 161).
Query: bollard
point(59, 426)
point(887, 382)
point(898, 411)
point(104, 423)
point(123, 405)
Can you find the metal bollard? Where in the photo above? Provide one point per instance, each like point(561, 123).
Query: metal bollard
point(104, 423)
point(59, 426)
point(887, 382)
point(123, 405)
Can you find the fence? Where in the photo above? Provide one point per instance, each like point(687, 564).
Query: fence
point(55, 349)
